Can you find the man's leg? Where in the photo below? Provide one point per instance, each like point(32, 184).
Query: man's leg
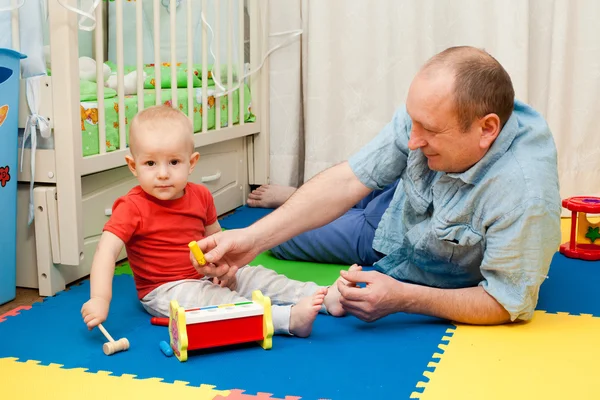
point(347, 240)
point(386, 191)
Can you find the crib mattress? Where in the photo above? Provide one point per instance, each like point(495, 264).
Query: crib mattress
point(89, 114)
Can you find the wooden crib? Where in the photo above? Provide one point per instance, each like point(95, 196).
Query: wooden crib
point(74, 191)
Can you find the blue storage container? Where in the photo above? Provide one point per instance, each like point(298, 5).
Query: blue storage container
point(10, 61)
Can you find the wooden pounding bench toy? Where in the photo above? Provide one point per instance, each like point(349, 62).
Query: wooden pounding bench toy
point(219, 325)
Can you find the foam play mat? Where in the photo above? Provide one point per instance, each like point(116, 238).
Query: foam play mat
point(399, 357)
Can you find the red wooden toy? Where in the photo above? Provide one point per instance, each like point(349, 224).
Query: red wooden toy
point(220, 325)
point(585, 236)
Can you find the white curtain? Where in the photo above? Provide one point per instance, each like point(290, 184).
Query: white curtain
point(335, 89)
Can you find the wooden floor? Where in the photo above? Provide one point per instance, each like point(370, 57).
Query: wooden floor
point(25, 297)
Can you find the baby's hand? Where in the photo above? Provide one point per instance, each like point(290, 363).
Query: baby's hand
point(230, 283)
point(94, 311)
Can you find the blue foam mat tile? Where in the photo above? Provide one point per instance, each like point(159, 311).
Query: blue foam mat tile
point(572, 286)
point(395, 350)
point(243, 217)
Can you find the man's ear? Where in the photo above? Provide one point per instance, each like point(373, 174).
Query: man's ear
point(131, 164)
point(193, 161)
point(490, 128)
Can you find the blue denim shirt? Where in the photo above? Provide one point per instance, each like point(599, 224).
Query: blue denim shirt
point(496, 225)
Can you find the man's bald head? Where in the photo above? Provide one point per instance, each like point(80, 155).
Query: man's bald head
point(481, 85)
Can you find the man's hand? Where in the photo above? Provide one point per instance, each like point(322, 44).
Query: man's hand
point(225, 253)
point(95, 311)
point(378, 299)
point(383, 295)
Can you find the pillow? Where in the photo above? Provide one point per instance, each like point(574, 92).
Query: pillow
point(88, 91)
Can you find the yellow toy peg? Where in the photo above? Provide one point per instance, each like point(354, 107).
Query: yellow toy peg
point(198, 255)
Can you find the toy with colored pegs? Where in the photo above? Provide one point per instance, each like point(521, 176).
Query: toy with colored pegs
point(113, 346)
point(198, 255)
point(220, 325)
point(584, 240)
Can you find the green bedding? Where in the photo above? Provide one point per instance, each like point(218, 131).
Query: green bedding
point(89, 106)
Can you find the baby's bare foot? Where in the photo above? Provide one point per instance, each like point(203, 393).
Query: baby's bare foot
point(270, 196)
point(305, 312)
point(332, 300)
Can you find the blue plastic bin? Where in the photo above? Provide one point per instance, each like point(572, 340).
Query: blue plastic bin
point(10, 61)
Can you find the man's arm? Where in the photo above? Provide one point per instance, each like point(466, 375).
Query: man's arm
point(321, 200)
point(468, 305)
point(383, 295)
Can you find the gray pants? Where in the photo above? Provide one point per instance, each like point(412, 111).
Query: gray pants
point(191, 293)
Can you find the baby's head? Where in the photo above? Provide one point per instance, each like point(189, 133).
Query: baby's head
point(161, 142)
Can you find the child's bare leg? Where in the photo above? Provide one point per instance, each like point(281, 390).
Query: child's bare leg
point(332, 300)
point(270, 196)
point(305, 312)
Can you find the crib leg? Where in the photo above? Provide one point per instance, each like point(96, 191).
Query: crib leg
point(50, 279)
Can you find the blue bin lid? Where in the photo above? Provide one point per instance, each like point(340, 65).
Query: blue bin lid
point(11, 52)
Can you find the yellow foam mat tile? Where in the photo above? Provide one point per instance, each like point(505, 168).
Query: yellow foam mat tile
point(554, 356)
point(29, 380)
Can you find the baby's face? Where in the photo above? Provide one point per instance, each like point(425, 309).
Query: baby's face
point(163, 163)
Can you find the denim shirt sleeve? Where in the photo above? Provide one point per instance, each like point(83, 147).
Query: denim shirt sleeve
point(520, 246)
point(383, 159)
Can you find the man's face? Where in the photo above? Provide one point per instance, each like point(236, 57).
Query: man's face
point(435, 127)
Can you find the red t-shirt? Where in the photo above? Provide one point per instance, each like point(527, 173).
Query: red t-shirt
point(156, 233)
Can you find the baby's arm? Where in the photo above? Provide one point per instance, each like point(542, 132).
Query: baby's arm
point(212, 229)
point(95, 310)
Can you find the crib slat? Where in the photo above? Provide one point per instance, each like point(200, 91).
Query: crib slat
point(99, 53)
point(241, 43)
point(204, 71)
point(16, 42)
point(157, 63)
point(173, 19)
point(217, 67)
point(229, 63)
point(121, 77)
point(139, 44)
point(190, 63)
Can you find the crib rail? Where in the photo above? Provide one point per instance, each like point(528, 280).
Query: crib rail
point(65, 165)
point(106, 159)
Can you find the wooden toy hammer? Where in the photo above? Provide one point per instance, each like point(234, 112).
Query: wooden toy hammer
point(112, 346)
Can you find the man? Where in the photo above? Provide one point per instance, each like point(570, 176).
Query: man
point(474, 222)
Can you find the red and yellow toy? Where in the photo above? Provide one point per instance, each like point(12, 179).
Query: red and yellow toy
point(219, 325)
point(585, 236)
